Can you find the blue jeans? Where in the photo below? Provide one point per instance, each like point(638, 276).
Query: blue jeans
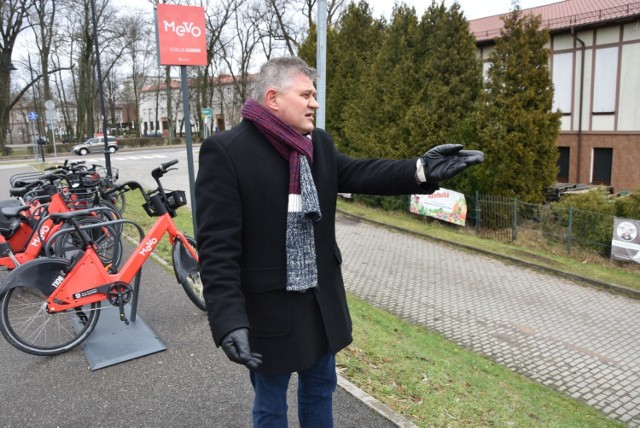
point(315, 391)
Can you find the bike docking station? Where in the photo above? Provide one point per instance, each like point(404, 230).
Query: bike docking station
point(115, 340)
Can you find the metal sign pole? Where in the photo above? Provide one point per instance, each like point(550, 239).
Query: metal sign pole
point(50, 114)
point(187, 131)
point(321, 63)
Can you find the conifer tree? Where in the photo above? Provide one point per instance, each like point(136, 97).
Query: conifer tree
point(373, 119)
point(307, 49)
point(350, 45)
point(350, 53)
point(450, 79)
point(515, 125)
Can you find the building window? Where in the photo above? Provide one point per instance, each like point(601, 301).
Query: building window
point(563, 164)
point(602, 160)
point(604, 84)
point(485, 70)
point(562, 70)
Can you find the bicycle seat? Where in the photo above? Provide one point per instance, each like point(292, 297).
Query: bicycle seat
point(10, 203)
point(13, 211)
point(9, 221)
point(18, 191)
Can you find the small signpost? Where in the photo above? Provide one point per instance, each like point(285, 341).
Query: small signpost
point(33, 116)
point(207, 115)
point(52, 120)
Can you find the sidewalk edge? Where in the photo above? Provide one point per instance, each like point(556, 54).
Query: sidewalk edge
point(374, 404)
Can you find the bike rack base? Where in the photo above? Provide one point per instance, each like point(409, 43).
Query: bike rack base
point(113, 342)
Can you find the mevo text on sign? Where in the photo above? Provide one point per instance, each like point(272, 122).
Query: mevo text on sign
point(181, 35)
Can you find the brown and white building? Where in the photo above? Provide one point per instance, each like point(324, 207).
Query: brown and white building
point(595, 66)
point(226, 102)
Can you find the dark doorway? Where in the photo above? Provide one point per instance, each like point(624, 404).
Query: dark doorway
point(563, 164)
point(602, 160)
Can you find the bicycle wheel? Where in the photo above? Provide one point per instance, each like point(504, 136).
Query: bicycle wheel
point(107, 240)
point(113, 213)
point(187, 272)
point(119, 201)
point(26, 324)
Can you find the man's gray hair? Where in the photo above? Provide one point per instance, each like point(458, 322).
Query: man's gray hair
point(278, 73)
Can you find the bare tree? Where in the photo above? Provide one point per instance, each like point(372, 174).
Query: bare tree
point(42, 22)
point(237, 53)
point(85, 84)
point(13, 15)
point(335, 9)
point(279, 22)
point(140, 53)
point(216, 20)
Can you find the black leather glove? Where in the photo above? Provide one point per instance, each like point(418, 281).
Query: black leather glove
point(448, 160)
point(236, 345)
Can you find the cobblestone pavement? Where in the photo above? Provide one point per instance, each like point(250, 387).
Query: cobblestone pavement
point(573, 338)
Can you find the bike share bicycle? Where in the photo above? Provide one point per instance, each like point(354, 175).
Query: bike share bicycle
point(25, 225)
point(50, 305)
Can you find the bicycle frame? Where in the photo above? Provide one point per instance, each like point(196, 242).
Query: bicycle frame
point(31, 243)
point(72, 291)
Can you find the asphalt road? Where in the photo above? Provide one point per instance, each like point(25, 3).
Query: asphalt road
point(191, 383)
point(137, 165)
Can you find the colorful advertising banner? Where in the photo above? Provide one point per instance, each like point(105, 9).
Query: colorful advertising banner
point(181, 34)
point(625, 244)
point(444, 204)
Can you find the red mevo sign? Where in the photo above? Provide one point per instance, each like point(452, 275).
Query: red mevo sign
point(181, 35)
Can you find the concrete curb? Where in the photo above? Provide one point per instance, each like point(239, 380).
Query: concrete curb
point(375, 405)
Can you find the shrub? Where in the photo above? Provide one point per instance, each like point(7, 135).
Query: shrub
point(591, 214)
point(628, 206)
point(389, 203)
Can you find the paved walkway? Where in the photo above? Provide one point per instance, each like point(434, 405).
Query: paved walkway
point(190, 384)
point(576, 339)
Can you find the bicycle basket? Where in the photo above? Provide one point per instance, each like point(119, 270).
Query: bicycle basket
point(101, 174)
point(78, 199)
point(176, 199)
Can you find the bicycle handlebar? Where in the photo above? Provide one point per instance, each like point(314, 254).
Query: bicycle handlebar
point(163, 168)
point(126, 186)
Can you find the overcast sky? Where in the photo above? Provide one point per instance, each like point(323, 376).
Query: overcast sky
point(473, 9)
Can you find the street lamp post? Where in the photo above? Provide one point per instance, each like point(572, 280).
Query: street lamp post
point(107, 153)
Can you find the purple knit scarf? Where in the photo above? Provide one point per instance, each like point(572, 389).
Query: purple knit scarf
point(303, 207)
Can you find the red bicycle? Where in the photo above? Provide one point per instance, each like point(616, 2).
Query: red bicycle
point(25, 228)
point(50, 305)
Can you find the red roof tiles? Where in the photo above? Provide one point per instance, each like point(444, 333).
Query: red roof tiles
point(561, 15)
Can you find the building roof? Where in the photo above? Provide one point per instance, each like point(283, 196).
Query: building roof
point(223, 79)
point(562, 15)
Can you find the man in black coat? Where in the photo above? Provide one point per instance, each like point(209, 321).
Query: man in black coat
point(266, 196)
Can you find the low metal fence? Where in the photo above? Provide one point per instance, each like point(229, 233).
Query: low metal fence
point(508, 220)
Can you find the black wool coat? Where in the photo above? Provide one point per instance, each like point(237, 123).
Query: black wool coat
point(241, 200)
